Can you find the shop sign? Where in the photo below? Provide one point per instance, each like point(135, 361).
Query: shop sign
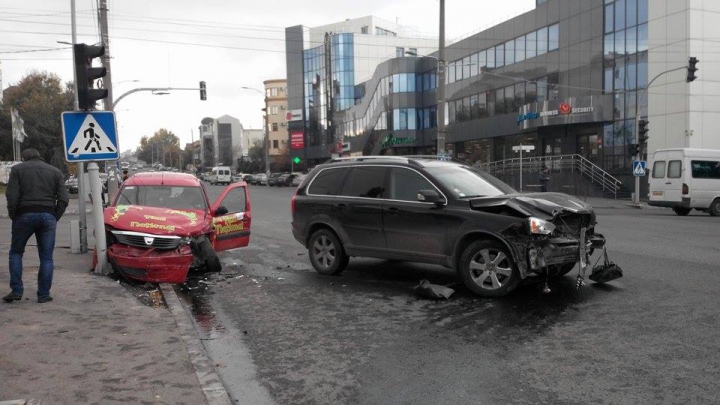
point(297, 140)
point(570, 111)
point(294, 115)
point(391, 141)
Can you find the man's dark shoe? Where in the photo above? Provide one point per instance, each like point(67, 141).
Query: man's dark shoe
point(42, 300)
point(13, 296)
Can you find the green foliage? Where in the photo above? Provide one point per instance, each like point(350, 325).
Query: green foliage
point(40, 99)
point(162, 147)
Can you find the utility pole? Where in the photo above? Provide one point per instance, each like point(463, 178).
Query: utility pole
point(105, 38)
point(80, 165)
point(441, 84)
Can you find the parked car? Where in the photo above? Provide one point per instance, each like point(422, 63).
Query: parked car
point(440, 212)
point(261, 179)
point(161, 226)
point(285, 180)
point(272, 179)
point(221, 175)
point(72, 185)
point(247, 177)
point(236, 178)
point(298, 179)
point(686, 179)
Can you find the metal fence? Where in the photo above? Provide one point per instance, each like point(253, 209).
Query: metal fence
point(558, 164)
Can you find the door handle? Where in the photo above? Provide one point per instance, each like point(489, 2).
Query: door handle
point(393, 210)
point(341, 206)
point(668, 183)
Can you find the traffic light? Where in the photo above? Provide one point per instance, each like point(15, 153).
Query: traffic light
point(642, 131)
point(692, 69)
point(86, 75)
point(203, 92)
point(634, 149)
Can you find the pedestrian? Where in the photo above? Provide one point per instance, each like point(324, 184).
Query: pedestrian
point(125, 175)
point(544, 179)
point(36, 199)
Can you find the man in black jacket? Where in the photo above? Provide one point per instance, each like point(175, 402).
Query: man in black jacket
point(36, 199)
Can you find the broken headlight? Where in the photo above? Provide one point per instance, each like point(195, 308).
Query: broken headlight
point(540, 227)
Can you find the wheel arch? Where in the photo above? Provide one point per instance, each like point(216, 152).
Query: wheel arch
point(315, 226)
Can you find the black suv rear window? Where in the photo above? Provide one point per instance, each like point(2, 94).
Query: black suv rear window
point(327, 182)
point(365, 182)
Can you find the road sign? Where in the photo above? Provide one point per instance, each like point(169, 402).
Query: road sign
point(639, 167)
point(90, 136)
point(525, 148)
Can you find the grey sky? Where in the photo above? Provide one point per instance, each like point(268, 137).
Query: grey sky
point(252, 25)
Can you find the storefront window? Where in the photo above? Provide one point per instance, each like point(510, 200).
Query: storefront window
point(500, 101)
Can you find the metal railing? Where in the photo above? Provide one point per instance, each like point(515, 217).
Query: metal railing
point(558, 164)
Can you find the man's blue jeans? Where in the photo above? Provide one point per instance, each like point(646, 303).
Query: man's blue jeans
point(43, 225)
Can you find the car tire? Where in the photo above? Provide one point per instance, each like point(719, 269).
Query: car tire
point(496, 281)
point(326, 252)
point(682, 211)
point(208, 255)
point(714, 209)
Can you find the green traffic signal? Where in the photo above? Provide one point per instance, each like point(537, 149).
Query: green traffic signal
point(296, 160)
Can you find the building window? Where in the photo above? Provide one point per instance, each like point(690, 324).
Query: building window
point(509, 52)
point(275, 144)
point(399, 52)
point(274, 109)
point(554, 37)
point(365, 30)
point(274, 127)
point(542, 41)
point(531, 45)
point(520, 49)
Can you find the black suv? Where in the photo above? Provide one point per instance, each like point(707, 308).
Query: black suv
point(422, 209)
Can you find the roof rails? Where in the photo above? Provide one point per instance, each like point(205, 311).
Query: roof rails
point(361, 158)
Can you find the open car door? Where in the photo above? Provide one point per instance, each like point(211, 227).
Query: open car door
point(231, 217)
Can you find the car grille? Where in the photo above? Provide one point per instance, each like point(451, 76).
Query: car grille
point(572, 223)
point(140, 240)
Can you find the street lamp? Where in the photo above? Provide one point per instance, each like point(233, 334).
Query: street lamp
point(267, 135)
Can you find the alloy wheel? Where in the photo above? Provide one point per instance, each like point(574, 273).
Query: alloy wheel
point(490, 269)
point(324, 251)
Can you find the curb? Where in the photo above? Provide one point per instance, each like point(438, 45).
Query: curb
point(215, 393)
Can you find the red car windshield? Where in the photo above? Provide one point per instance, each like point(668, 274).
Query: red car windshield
point(175, 197)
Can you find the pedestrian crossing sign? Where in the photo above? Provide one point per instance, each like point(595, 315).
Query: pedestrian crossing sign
point(639, 167)
point(90, 136)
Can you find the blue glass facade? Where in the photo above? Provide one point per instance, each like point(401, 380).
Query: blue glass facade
point(625, 74)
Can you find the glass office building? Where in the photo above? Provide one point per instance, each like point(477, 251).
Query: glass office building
point(564, 77)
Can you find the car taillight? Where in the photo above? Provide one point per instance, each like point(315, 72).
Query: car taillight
point(685, 189)
point(293, 202)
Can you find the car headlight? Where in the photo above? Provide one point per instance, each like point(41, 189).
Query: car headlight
point(540, 227)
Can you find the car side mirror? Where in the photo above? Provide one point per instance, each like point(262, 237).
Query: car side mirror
point(430, 196)
point(221, 210)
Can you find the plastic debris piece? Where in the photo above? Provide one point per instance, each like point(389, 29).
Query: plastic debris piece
point(433, 291)
point(280, 278)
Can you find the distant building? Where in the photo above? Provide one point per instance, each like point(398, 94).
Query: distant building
point(276, 104)
point(250, 136)
point(221, 141)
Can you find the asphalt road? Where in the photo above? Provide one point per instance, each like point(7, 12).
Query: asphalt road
point(364, 337)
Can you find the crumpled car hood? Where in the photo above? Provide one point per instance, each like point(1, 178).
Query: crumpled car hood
point(155, 220)
point(539, 205)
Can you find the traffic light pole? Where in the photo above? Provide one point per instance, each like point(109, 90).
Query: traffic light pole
point(114, 105)
point(80, 166)
point(441, 84)
point(638, 156)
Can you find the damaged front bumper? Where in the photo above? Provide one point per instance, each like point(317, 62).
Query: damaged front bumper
point(558, 251)
point(151, 265)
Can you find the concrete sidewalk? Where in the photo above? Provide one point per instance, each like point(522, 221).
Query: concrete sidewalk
point(94, 343)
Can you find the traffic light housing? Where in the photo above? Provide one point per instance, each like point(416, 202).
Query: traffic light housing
point(634, 149)
point(642, 131)
point(86, 74)
point(203, 91)
point(692, 69)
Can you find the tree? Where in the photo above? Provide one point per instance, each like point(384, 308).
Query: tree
point(255, 162)
point(163, 147)
point(40, 98)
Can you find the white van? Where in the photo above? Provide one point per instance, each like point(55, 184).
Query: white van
point(220, 174)
point(685, 178)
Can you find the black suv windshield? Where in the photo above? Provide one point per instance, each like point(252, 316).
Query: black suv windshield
point(466, 182)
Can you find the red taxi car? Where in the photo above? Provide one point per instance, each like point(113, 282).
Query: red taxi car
point(161, 226)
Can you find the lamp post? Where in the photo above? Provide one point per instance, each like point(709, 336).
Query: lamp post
point(265, 125)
